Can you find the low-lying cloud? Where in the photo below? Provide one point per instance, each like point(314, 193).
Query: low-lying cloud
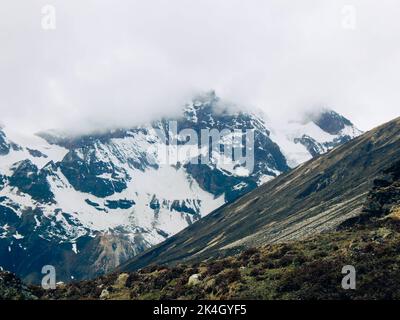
point(119, 63)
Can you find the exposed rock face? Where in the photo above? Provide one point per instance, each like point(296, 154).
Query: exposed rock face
point(12, 288)
point(260, 263)
point(27, 178)
point(5, 145)
point(85, 204)
point(331, 122)
point(317, 196)
point(383, 199)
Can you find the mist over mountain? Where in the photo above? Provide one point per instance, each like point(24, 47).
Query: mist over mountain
point(290, 238)
point(86, 204)
point(353, 183)
point(112, 66)
point(213, 149)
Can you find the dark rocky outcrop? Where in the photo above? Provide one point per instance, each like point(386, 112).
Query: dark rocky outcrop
point(29, 179)
point(316, 197)
point(12, 288)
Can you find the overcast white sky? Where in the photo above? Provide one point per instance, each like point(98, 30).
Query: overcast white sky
point(113, 63)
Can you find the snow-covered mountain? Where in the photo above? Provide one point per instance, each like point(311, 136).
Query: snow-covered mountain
point(86, 204)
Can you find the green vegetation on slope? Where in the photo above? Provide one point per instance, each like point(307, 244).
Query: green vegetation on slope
point(306, 269)
point(309, 269)
point(302, 269)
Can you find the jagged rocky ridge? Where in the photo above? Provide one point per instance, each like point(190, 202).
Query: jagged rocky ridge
point(318, 196)
point(305, 269)
point(86, 204)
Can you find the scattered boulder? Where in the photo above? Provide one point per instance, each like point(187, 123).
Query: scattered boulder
point(121, 280)
point(194, 279)
point(105, 294)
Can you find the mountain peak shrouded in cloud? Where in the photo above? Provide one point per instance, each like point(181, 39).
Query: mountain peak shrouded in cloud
point(88, 202)
point(331, 122)
point(107, 65)
point(336, 189)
